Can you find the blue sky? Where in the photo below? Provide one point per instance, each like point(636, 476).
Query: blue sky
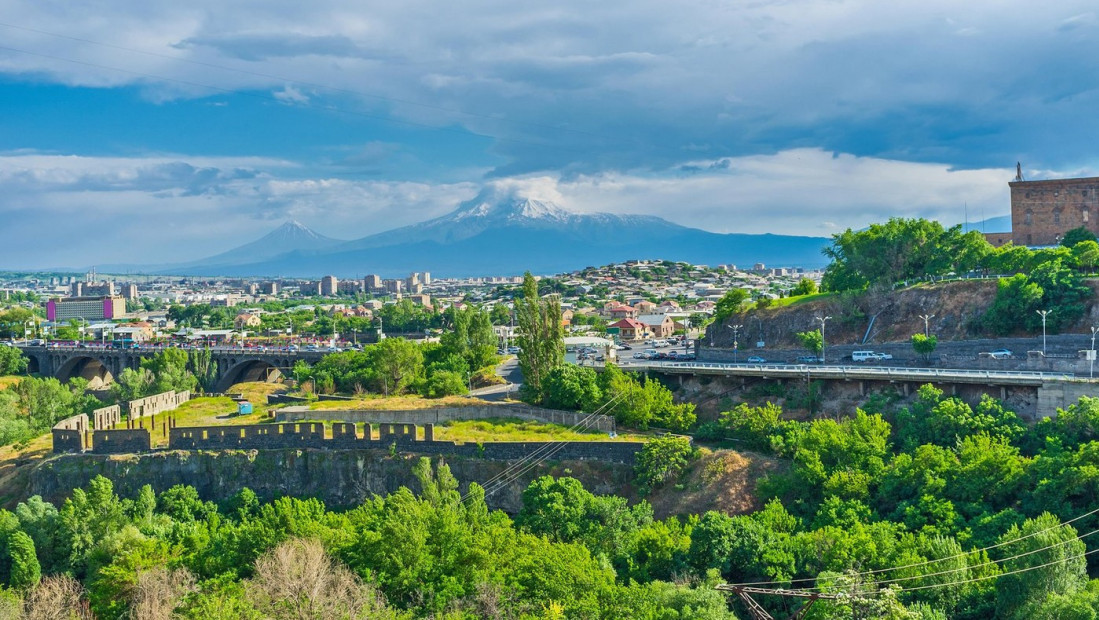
point(133, 132)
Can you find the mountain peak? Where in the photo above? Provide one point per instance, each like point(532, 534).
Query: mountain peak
point(511, 209)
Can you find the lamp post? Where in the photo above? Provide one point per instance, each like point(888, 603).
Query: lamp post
point(822, 320)
point(760, 343)
point(1043, 313)
point(736, 330)
point(27, 330)
point(926, 318)
point(1091, 354)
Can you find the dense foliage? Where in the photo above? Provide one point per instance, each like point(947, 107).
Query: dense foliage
point(919, 486)
point(541, 337)
point(634, 400)
point(569, 554)
point(31, 406)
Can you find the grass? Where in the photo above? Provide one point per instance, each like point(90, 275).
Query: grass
point(212, 411)
point(514, 429)
point(800, 299)
point(396, 402)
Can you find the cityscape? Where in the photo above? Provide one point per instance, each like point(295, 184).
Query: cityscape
point(716, 312)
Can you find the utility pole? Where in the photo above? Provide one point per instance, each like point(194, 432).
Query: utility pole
point(757, 612)
point(1043, 313)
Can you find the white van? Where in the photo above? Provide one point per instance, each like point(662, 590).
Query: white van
point(862, 356)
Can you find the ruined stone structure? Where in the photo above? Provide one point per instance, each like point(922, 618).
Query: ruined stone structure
point(438, 415)
point(106, 417)
point(403, 437)
point(152, 405)
point(1043, 211)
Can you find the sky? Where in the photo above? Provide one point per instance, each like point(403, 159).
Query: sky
point(137, 132)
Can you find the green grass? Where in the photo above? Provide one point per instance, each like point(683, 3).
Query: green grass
point(800, 299)
point(514, 429)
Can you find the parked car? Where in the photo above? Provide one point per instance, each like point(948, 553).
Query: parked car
point(514, 350)
point(640, 356)
point(1000, 354)
point(807, 359)
point(624, 347)
point(881, 357)
point(755, 359)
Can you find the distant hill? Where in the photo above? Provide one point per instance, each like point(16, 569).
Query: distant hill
point(292, 236)
point(494, 234)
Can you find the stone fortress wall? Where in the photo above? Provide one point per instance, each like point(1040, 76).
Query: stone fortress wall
point(1043, 211)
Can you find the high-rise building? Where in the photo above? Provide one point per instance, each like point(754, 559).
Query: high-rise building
point(328, 287)
point(129, 291)
point(270, 288)
point(394, 287)
point(426, 278)
point(373, 283)
point(76, 289)
point(87, 308)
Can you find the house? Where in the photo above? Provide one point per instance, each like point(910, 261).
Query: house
point(246, 320)
point(644, 307)
point(659, 325)
point(621, 311)
point(630, 329)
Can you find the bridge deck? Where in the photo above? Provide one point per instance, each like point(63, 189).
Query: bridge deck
point(866, 373)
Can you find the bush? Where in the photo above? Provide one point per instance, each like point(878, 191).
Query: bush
point(662, 459)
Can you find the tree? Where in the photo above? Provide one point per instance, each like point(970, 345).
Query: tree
point(201, 364)
point(170, 369)
point(812, 340)
point(924, 345)
point(660, 460)
point(12, 361)
point(729, 304)
point(132, 384)
point(1077, 235)
point(398, 364)
point(541, 336)
point(1049, 544)
point(25, 570)
point(571, 387)
point(805, 286)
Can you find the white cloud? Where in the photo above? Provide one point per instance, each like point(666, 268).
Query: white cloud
point(104, 210)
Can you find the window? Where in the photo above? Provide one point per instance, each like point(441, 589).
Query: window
point(1057, 217)
point(1029, 217)
point(1084, 214)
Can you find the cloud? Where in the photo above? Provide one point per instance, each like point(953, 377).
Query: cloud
point(291, 95)
point(138, 210)
point(583, 88)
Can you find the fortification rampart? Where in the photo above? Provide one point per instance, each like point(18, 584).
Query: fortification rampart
point(438, 415)
point(106, 417)
point(71, 434)
point(344, 436)
point(157, 403)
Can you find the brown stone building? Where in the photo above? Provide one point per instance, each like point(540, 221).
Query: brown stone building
point(1043, 211)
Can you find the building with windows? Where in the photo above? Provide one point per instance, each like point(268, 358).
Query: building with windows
point(329, 286)
point(88, 308)
point(1043, 211)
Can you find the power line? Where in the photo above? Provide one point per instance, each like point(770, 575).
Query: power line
point(986, 577)
point(926, 562)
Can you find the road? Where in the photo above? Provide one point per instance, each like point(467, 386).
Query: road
point(509, 371)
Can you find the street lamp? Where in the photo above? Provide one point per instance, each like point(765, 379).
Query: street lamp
point(1043, 313)
point(736, 330)
point(760, 343)
point(926, 318)
point(1091, 354)
point(822, 320)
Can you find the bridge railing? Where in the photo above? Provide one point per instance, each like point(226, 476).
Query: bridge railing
point(872, 371)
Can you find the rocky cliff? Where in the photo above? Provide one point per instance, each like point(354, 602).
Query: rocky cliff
point(340, 478)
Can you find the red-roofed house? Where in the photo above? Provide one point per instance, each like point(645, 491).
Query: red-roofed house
point(630, 329)
point(621, 311)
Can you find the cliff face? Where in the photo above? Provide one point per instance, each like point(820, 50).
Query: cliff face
point(340, 478)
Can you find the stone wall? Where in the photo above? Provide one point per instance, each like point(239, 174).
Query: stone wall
point(1043, 211)
point(70, 434)
point(124, 441)
point(157, 403)
point(107, 417)
point(405, 437)
point(438, 415)
point(1059, 395)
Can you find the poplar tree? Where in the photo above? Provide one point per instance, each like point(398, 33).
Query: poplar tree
point(541, 337)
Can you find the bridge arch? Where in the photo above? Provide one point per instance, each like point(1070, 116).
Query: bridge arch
point(34, 365)
point(89, 367)
point(248, 370)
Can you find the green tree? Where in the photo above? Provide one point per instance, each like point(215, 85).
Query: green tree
point(661, 460)
point(541, 337)
point(131, 384)
point(201, 364)
point(25, 569)
point(170, 369)
point(572, 388)
point(805, 286)
point(729, 304)
point(12, 361)
point(1049, 545)
point(1077, 235)
point(812, 340)
point(398, 365)
point(924, 345)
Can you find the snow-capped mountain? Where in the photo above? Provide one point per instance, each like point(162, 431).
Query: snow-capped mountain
point(292, 236)
point(502, 233)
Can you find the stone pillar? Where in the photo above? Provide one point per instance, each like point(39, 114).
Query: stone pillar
point(429, 432)
point(368, 431)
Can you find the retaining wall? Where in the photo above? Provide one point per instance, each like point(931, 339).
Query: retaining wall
point(123, 441)
point(438, 415)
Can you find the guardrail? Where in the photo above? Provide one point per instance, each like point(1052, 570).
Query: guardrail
point(871, 372)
